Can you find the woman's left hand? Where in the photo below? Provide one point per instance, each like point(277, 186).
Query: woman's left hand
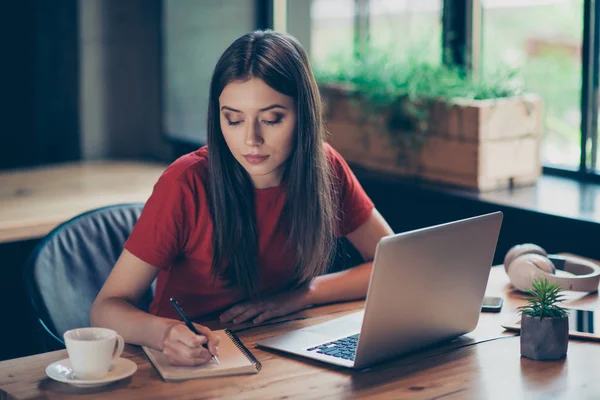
point(277, 305)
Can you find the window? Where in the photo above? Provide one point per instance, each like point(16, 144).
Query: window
point(332, 29)
point(407, 26)
point(542, 38)
point(402, 25)
point(554, 42)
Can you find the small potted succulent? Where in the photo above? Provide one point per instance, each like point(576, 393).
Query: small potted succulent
point(544, 324)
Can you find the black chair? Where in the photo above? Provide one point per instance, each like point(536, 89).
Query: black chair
point(69, 266)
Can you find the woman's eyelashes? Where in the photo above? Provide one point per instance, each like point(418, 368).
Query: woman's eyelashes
point(275, 121)
point(272, 121)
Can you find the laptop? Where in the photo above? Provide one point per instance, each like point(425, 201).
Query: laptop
point(427, 286)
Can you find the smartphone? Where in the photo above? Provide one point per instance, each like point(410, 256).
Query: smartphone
point(583, 324)
point(491, 304)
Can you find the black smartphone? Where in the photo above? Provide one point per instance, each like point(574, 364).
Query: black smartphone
point(491, 304)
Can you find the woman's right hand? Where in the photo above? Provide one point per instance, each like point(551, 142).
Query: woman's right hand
point(183, 347)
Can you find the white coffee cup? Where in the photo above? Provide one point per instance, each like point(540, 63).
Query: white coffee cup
point(92, 351)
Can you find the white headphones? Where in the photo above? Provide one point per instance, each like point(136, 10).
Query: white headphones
point(526, 262)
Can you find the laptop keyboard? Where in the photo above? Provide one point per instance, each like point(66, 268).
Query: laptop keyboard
point(343, 348)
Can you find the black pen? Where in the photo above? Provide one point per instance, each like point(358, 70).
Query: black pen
point(190, 325)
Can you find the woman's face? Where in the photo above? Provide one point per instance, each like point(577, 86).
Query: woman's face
point(259, 125)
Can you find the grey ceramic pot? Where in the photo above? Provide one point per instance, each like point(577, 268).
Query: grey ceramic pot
point(545, 339)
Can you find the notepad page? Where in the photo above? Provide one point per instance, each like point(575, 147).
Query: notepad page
point(232, 362)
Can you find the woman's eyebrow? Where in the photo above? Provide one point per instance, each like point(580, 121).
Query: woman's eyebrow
point(272, 106)
point(230, 109)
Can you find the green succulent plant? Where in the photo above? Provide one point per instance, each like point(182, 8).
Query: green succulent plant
point(544, 300)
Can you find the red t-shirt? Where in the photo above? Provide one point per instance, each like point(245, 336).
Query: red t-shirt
point(174, 234)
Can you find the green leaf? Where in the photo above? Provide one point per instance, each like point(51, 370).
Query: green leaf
point(543, 300)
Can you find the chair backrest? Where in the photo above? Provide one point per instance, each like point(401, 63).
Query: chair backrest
point(69, 266)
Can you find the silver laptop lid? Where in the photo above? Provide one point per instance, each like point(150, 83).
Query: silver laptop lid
point(426, 285)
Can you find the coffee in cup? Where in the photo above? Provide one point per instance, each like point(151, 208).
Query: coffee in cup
point(92, 351)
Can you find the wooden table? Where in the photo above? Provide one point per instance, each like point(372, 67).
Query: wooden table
point(491, 368)
point(35, 200)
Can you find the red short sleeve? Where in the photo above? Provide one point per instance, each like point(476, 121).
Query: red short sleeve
point(355, 205)
point(160, 233)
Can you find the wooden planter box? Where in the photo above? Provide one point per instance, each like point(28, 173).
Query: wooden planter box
point(479, 144)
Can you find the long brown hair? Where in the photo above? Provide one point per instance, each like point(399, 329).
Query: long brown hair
point(280, 61)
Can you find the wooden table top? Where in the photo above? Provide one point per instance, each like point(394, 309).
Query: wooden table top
point(491, 368)
point(35, 200)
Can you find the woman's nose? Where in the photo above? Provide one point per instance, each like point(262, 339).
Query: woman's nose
point(253, 137)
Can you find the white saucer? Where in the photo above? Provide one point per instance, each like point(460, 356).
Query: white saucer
point(62, 371)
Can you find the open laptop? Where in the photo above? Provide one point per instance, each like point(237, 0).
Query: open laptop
point(426, 286)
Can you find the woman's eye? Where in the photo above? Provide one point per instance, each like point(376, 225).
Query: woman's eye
point(272, 122)
point(233, 123)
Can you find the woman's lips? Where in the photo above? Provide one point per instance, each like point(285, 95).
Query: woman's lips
point(255, 158)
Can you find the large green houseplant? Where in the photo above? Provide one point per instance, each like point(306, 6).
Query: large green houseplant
point(544, 324)
point(409, 114)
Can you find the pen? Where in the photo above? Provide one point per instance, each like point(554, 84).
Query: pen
point(190, 325)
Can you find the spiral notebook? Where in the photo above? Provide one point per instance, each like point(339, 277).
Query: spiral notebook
point(234, 358)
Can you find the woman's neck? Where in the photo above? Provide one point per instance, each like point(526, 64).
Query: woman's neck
point(267, 181)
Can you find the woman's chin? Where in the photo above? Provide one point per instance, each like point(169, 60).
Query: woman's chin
point(258, 170)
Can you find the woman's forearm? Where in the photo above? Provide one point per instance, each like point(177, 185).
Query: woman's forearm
point(350, 284)
point(135, 325)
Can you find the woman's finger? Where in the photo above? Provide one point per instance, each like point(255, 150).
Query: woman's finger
point(251, 312)
point(184, 335)
point(183, 351)
point(179, 354)
point(213, 339)
point(234, 312)
point(264, 316)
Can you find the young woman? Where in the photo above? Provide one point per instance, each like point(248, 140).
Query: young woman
point(244, 227)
